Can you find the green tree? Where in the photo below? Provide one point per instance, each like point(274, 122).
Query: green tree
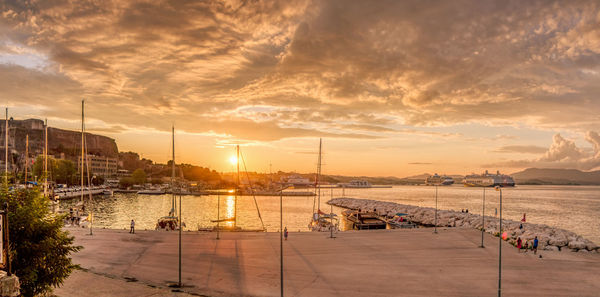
point(39, 247)
point(138, 176)
point(126, 182)
point(64, 171)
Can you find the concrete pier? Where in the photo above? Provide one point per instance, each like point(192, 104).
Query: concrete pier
point(357, 263)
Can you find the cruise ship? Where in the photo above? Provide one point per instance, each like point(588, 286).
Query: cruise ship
point(436, 180)
point(488, 180)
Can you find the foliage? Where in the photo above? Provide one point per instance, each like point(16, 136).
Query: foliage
point(138, 176)
point(126, 182)
point(39, 247)
point(59, 170)
point(197, 173)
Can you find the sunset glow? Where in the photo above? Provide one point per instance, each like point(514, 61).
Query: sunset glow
point(404, 89)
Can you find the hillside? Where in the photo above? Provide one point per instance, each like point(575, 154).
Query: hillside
point(557, 176)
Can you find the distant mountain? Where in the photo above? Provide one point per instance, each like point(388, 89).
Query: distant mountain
point(557, 176)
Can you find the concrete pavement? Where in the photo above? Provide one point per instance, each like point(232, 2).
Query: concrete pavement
point(357, 263)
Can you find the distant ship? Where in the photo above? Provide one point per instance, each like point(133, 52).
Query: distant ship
point(356, 184)
point(436, 180)
point(297, 181)
point(488, 180)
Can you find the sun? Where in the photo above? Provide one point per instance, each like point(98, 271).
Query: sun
point(233, 160)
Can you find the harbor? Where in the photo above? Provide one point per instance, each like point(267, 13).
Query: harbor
point(543, 205)
point(412, 262)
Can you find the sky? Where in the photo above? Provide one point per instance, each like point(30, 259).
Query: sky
point(394, 88)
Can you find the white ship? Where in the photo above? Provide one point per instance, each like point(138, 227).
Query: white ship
point(436, 180)
point(488, 180)
point(297, 181)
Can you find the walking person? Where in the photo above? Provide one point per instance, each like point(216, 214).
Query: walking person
point(496, 212)
point(519, 244)
point(285, 233)
point(535, 245)
point(132, 229)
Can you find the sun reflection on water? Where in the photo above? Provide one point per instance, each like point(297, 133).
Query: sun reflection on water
point(229, 208)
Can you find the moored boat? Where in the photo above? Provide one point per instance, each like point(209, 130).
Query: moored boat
point(364, 220)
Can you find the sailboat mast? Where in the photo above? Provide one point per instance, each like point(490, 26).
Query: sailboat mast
point(6, 149)
point(319, 176)
point(237, 186)
point(82, 147)
point(46, 158)
point(173, 169)
point(26, 157)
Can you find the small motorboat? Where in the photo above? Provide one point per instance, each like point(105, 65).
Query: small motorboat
point(364, 220)
point(400, 220)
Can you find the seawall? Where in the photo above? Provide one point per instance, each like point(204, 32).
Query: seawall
point(550, 238)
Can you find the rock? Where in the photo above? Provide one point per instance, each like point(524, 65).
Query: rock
point(9, 285)
point(549, 238)
point(584, 251)
point(577, 245)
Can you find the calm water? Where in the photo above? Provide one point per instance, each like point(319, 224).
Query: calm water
point(574, 208)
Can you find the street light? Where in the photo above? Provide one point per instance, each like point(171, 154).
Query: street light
point(500, 247)
point(281, 234)
point(218, 212)
point(436, 198)
point(483, 219)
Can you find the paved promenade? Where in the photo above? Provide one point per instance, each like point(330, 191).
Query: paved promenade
point(366, 263)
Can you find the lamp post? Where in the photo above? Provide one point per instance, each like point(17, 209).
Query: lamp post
point(483, 219)
point(180, 227)
point(500, 248)
point(281, 237)
point(218, 213)
point(436, 198)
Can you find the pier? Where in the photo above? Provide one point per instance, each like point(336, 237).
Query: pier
point(412, 262)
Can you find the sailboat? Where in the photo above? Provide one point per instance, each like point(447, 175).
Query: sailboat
point(171, 221)
point(84, 219)
point(239, 157)
point(321, 221)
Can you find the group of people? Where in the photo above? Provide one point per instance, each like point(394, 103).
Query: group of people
point(525, 246)
point(464, 211)
point(73, 218)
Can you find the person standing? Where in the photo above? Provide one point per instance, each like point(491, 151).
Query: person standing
point(519, 244)
point(132, 227)
point(535, 245)
point(526, 246)
point(285, 233)
point(496, 212)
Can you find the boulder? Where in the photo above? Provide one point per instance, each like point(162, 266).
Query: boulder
point(579, 245)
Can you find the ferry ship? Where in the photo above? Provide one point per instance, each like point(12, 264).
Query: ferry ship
point(488, 180)
point(436, 180)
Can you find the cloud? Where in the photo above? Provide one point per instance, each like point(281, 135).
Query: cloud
point(562, 153)
point(525, 149)
point(328, 68)
point(419, 163)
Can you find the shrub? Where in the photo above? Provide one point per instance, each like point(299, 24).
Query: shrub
point(39, 247)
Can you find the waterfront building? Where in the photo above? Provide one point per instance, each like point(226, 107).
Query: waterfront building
point(100, 166)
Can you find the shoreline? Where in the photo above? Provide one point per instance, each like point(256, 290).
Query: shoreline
point(550, 238)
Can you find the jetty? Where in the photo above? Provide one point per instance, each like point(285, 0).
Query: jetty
point(550, 238)
point(413, 262)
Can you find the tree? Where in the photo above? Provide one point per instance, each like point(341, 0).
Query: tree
point(39, 247)
point(126, 182)
point(139, 176)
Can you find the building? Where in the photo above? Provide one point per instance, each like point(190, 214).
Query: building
point(100, 166)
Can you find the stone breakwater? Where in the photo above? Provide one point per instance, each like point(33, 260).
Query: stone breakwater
point(549, 238)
